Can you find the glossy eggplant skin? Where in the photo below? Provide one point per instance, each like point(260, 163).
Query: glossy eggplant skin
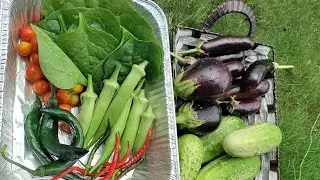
point(255, 73)
point(227, 58)
point(212, 79)
point(236, 68)
point(211, 113)
point(225, 45)
point(261, 90)
point(245, 107)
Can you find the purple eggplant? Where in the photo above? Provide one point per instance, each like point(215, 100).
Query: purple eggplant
point(235, 92)
point(230, 57)
point(257, 71)
point(227, 45)
point(236, 68)
point(245, 107)
point(203, 80)
point(199, 117)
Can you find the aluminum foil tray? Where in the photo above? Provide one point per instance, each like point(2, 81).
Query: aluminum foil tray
point(16, 97)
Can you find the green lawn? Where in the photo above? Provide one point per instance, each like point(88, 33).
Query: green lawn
point(293, 28)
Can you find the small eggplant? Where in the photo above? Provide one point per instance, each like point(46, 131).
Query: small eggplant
point(203, 80)
point(235, 92)
point(223, 45)
point(257, 71)
point(245, 107)
point(236, 68)
point(231, 57)
point(199, 117)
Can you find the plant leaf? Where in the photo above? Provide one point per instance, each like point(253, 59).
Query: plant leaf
point(55, 64)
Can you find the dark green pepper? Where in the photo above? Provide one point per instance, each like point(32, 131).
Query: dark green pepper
point(31, 127)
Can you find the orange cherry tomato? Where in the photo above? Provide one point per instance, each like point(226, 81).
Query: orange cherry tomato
point(78, 89)
point(34, 59)
point(24, 48)
point(34, 73)
point(65, 127)
point(27, 33)
point(65, 107)
point(34, 44)
point(46, 97)
point(41, 87)
point(63, 96)
point(74, 101)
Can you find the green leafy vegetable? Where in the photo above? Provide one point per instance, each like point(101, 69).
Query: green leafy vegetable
point(86, 46)
point(55, 64)
point(132, 52)
point(97, 18)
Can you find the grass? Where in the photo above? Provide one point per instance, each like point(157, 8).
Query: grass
point(293, 28)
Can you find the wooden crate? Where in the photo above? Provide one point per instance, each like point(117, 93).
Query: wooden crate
point(185, 38)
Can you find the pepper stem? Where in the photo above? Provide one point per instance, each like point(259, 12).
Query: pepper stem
point(186, 118)
point(278, 66)
point(3, 154)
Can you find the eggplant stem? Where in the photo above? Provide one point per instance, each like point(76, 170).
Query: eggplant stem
point(179, 58)
point(186, 117)
point(184, 89)
point(233, 103)
point(197, 50)
point(278, 66)
point(3, 153)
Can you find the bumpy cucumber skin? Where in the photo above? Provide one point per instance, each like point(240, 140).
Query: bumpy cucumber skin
point(212, 143)
point(228, 168)
point(190, 156)
point(253, 140)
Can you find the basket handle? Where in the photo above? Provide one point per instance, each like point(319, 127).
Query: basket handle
point(231, 6)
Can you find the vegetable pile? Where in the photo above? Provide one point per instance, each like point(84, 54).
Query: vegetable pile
point(96, 55)
point(214, 89)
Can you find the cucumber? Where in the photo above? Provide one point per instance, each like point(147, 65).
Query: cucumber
point(190, 156)
point(228, 168)
point(212, 143)
point(253, 140)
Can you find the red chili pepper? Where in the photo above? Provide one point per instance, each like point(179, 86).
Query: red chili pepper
point(110, 170)
point(139, 153)
point(107, 164)
point(125, 157)
point(70, 170)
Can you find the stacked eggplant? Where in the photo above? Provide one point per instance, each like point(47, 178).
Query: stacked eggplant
point(215, 81)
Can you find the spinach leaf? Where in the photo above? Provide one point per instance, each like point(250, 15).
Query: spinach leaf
point(86, 46)
point(55, 64)
point(49, 6)
point(132, 52)
point(97, 18)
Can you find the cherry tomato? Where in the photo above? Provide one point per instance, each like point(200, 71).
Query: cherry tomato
point(34, 73)
point(65, 107)
point(78, 89)
point(34, 59)
point(27, 33)
point(41, 87)
point(74, 101)
point(46, 97)
point(34, 44)
point(63, 96)
point(65, 127)
point(24, 48)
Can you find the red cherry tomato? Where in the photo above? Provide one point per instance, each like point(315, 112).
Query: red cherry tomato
point(34, 73)
point(34, 44)
point(34, 59)
point(27, 33)
point(41, 87)
point(78, 89)
point(74, 101)
point(63, 96)
point(24, 48)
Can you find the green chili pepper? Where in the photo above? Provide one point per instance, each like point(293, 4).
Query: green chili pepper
point(88, 99)
point(116, 107)
point(146, 121)
point(119, 127)
point(109, 89)
point(129, 135)
point(31, 126)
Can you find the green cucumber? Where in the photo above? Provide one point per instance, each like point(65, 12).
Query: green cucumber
point(190, 156)
point(228, 168)
point(212, 143)
point(253, 140)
